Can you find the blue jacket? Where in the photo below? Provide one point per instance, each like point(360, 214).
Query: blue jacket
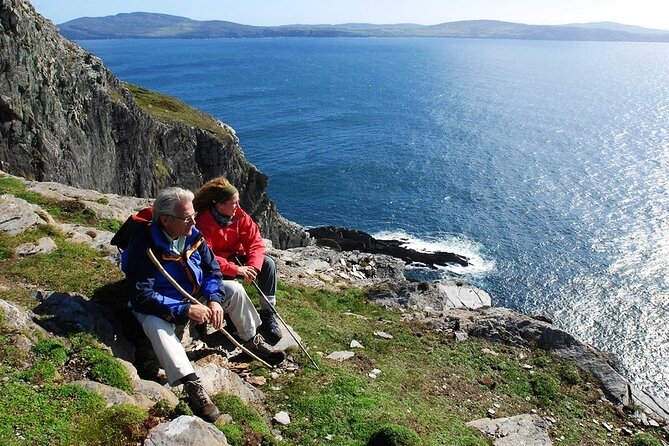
point(151, 293)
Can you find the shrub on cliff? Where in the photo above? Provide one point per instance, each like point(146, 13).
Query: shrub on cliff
point(394, 435)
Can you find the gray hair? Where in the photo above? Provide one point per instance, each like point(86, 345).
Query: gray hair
point(168, 199)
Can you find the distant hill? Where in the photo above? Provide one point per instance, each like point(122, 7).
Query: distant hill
point(162, 26)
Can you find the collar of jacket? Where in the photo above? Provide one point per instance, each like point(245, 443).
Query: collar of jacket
point(165, 246)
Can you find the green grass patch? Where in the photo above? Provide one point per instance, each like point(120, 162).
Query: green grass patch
point(171, 110)
point(429, 384)
point(122, 424)
point(43, 415)
point(64, 211)
point(73, 267)
point(103, 366)
point(52, 350)
point(645, 439)
point(248, 422)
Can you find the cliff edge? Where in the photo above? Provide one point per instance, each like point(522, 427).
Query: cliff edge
point(65, 117)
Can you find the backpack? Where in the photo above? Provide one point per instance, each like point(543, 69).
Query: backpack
point(135, 225)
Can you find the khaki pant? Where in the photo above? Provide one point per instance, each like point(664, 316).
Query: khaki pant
point(167, 346)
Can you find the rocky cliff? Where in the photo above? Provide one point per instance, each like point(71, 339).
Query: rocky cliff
point(65, 117)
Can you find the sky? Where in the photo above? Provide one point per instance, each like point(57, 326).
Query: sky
point(646, 13)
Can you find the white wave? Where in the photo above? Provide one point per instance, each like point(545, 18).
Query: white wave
point(479, 265)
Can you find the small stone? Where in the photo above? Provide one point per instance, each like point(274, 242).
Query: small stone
point(527, 367)
point(326, 278)
point(487, 381)
point(256, 380)
point(491, 412)
point(626, 431)
point(282, 418)
point(461, 335)
point(340, 356)
point(608, 427)
point(383, 334)
point(356, 344)
point(489, 352)
point(374, 373)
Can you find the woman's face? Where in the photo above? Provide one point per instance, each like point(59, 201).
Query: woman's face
point(228, 207)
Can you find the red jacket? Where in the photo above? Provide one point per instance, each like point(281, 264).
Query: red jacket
point(241, 236)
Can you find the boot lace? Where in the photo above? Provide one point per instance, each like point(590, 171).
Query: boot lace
point(197, 394)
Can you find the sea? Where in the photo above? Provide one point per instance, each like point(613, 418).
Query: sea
point(544, 162)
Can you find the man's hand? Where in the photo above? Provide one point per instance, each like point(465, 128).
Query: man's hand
point(199, 313)
point(216, 314)
point(247, 273)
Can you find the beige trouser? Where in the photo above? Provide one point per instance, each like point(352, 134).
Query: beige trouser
point(167, 346)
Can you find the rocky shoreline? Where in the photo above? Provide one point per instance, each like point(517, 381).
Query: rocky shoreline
point(453, 308)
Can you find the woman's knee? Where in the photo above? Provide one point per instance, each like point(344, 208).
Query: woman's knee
point(269, 265)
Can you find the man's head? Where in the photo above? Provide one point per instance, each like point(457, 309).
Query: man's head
point(173, 210)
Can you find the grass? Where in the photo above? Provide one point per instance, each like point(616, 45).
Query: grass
point(171, 110)
point(64, 211)
point(430, 384)
point(73, 267)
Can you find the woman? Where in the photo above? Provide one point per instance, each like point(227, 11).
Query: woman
point(239, 248)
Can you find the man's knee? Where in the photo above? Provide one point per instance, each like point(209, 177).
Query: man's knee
point(233, 291)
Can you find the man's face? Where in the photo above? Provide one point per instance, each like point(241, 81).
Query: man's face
point(181, 222)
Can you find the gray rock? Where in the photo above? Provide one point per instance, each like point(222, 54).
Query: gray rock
point(185, 431)
point(151, 392)
point(44, 245)
point(111, 394)
point(527, 430)
point(62, 312)
point(461, 295)
point(461, 336)
point(438, 296)
point(282, 418)
point(512, 328)
point(216, 377)
point(21, 319)
point(340, 356)
point(17, 215)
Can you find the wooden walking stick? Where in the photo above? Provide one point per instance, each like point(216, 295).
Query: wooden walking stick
point(194, 301)
point(276, 313)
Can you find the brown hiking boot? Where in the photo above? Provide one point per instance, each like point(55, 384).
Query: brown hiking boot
point(200, 402)
point(263, 350)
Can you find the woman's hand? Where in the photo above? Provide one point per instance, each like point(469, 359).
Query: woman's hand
point(247, 273)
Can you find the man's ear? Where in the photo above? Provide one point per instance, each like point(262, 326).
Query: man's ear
point(163, 219)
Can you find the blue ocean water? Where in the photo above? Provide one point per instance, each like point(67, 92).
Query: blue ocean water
point(545, 162)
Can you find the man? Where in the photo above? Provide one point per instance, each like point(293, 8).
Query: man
point(158, 305)
point(235, 237)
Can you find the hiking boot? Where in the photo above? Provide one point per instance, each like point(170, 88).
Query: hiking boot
point(200, 401)
point(263, 350)
point(270, 329)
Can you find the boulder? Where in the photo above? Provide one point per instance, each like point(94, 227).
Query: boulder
point(185, 431)
point(528, 430)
